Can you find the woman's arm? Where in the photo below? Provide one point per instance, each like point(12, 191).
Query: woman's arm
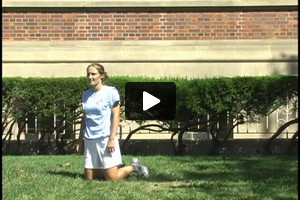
point(79, 145)
point(115, 125)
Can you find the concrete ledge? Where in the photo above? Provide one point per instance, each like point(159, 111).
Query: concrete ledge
point(150, 51)
point(151, 58)
point(146, 3)
point(156, 70)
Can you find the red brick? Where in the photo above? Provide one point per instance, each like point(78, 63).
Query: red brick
point(142, 25)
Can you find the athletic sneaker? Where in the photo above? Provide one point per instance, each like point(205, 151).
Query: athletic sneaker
point(140, 169)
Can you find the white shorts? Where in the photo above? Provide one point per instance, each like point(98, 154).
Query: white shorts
point(96, 156)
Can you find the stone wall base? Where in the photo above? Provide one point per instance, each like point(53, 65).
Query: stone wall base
point(164, 147)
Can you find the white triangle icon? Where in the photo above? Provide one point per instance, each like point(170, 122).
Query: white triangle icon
point(149, 100)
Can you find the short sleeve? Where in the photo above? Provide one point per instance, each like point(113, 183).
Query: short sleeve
point(115, 97)
point(83, 99)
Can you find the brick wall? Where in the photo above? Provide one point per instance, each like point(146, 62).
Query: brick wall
point(45, 26)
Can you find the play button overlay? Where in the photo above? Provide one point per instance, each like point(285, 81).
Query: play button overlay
point(150, 100)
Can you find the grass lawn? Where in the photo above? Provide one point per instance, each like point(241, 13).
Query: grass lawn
point(186, 177)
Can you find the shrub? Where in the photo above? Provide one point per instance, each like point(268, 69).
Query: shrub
point(241, 98)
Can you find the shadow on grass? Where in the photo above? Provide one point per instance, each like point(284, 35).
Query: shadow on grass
point(233, 169)
point(67, 174)
point(160, 177)
point(253, 172)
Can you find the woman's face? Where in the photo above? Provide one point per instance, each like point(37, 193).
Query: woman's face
point(93, 76)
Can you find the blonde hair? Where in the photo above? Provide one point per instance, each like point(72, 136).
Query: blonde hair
point(101, 70)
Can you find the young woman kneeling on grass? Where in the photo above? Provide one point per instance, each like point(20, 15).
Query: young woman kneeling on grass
point(101, 108)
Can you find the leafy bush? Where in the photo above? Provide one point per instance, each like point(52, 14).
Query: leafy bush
point(241, 98)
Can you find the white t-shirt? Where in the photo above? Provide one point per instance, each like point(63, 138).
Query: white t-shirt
point(97, 107)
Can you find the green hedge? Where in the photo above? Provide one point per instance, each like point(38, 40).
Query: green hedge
point(243, 97)
point(252, 95)
point(255, 95)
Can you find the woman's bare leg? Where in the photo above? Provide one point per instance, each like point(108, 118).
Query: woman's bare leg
point(88, 174)
point(116, 173)
point(91, 174)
